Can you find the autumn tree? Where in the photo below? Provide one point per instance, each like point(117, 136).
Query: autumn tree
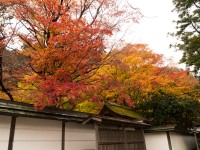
point(65, 43)
point(135, 76)
point(135, 71)
point(188, 32)
point(4, 40)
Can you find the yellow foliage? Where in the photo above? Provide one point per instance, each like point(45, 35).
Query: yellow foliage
point(137, 71)
point(88, 107)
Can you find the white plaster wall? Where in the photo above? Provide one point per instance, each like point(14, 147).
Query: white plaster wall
point(79, 137)
point(182, 142)
point(37, 134)
point(156, 141)
point(5, 122)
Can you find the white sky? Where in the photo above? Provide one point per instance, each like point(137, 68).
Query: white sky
point(154, 26)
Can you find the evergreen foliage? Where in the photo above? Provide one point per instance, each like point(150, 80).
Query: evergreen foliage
point(168, 109)
point(188, 32)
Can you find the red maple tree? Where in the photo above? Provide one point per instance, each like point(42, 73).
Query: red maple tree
point(65, 43)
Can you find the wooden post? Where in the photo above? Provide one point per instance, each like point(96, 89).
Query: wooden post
point(169, 140)
point(12, 133)
point(125, 139)
point(63, 136)
point(196, 140)
point(143, 138)
point(97, 136)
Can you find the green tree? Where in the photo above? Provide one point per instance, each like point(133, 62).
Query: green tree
point(188, 32)
point(169, 109)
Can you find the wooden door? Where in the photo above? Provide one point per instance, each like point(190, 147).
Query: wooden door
point(113, 138)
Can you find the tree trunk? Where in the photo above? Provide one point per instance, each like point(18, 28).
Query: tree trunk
point(3, 88)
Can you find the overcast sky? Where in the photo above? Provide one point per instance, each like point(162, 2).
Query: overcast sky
point(154, 26)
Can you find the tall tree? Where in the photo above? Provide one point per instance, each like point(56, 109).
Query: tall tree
point(135, 71)
point(168, 109)
point(188, 32)
point(64, 41)
point(4, 17)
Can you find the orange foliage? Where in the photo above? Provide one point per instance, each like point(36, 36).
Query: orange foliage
point(64, 42)
point(135, 71)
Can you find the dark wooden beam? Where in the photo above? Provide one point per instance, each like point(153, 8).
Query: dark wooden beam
point(97, 136)
point(28, 110)
point(63, 136)
point(125, 139)
point(145, 147)
point(196, 140)
point(12, 133)
point(169, 140)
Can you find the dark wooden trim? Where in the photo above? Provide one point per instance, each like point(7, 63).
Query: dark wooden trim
point(27, 110)
point(145, 147)
point(169, 140)
point(125, 139)
point(111, 143)
point(196, 140)
point(133, 142)
point(63, 136)
point(97, 136)
point(116, 121)
point(12, 133)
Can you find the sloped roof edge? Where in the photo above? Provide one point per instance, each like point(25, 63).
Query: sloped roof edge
point(120, 110)
point(27, 110)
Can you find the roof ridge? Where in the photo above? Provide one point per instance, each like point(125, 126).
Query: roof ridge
point(117, 105)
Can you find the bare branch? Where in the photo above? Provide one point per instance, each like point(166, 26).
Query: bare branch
point(27, 42)
point(59, 12)
point(194, 27)
point(196, 4)
point(97, 12)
